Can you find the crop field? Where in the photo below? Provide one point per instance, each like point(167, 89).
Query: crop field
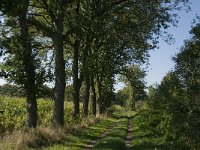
point(14, 116)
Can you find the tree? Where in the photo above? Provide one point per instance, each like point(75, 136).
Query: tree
point(128, 39)
point(11, 90)
point(20, 11)
point(123, 97)
point(188, 62)
point(187, 69)
point(133, 76)
point(104, 24)
point(50, 19)
point(98, 39)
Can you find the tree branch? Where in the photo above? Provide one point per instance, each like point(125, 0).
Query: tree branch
point(41, 27)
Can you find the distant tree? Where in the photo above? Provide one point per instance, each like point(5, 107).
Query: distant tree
point(12, 90)
point(123, 97)
point(133, 76)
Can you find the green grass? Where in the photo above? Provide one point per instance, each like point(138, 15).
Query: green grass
point(144, 139)
point(124, 114)
point(79, 139)
point(115, 140)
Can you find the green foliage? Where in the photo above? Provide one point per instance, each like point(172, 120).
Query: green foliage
point(6, 6)
point(115, 139)
point(144, 135)
point(114, 109)
point(11, 90)
point(14, 116)
point(18, 91)
point(149, 120)
point(169, 111)
point(68, 92)
point(173, 107)
point(188, 62)
point(133, 77)
point(123, 97)
point(95, 38)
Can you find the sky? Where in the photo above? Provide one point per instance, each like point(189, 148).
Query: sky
point(160, 60)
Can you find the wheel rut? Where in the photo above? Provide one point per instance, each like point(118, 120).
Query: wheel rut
point(128, 138)
point(92, 143)
point(129, 135)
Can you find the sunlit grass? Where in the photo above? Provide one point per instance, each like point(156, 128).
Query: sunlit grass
point(82, 137)
point(144, 139)
point(115, 140)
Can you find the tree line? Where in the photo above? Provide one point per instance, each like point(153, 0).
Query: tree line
point(87, 42)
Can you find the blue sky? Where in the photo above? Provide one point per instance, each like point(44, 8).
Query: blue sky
point(160, 60)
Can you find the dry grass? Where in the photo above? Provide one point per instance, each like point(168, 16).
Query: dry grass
point(24, 139)
point(43, 136)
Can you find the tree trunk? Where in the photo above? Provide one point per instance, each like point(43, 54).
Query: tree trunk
point(101, 106)
point(28, 62)
point(133, 101)
point(86, 95)
point(100, 97)
point(76, 81)
point(133, 105)
point(94, 105)
point(58, 115)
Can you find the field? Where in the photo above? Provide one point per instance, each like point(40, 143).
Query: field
point(14, 116)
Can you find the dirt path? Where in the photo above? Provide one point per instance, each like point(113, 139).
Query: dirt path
point(128, 139)
point(92, 143)
point(129, 135)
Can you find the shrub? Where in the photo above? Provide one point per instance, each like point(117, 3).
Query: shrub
point(114, 108)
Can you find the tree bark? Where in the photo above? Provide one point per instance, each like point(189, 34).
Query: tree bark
point(133, 105)
point(133, 101)
point(28, 62)
point(58, 114)
point(94, 105)
point(100, 97)
point(76, 81)
point(86, 95)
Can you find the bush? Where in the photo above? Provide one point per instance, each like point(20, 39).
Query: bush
point(114, 108)
point(174, 114)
